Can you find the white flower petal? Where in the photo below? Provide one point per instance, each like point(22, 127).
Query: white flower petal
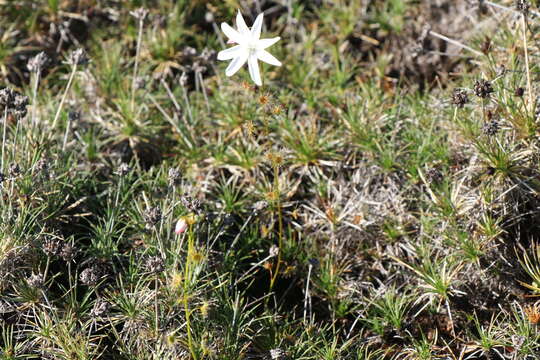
point(268, 58)
point(231, 33)
point(264, 43)
point(229, 53)
point(254, 70)
point(241, 24)
point(257, 27)
point(236, 64)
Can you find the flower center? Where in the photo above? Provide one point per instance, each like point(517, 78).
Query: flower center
point(251, 47)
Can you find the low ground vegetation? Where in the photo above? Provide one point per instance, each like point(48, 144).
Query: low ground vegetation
point(376, 198)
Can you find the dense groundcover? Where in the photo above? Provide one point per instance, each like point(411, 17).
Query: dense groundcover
point(377, 197)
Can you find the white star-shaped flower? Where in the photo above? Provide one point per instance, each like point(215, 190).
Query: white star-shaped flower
point(250, 48)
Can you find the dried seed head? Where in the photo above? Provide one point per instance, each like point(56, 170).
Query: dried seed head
point(20, 102)
point(141, 81)
point(517, 341)
point(533, 313)
point(90, 276)
point(38, 62)
point(228, 219)
point(189, 52)
point(434, 175)
point(7, 95)
point(35, 281)
point(198, 67)
point(123, 169)
point(155, 264)
point(191, 204)
point(152, 216)
point(51, 247)
point(519, 92)
point(174, 177)
point(14, 170)
point(277, 354)
point(100, 308)
point(42, 165)
point(275, 158)
point(13, 102)
point(139, 14)
point(490, 128)
point(274, 251)
point(260, 205)
point(74, 115)
point(68, 252)
point(209, 17)
point(78, 57)
point(264, 99)
point(207, 55)
point(460, 98)
point(482, 88)
point(314, 262)
point(522, 6)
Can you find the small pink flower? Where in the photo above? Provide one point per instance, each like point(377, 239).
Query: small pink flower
point(181, 226)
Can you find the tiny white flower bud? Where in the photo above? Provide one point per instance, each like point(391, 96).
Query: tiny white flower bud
point(181, 226)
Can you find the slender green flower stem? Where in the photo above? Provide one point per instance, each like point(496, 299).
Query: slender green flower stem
point(187, 275)
point(280, 225)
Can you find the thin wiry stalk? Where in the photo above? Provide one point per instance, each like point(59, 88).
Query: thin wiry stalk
point(136, 66)
point(527, 68)
point(280, 226)
point(187, 275)
point(15, 137)
point(178, 108)
point(237, 237)
point(66, 134)
point(450, 317)
point(200, 79)
point(188, 105)
point(247, 273)
point(455, 42)
point(37, 77)
point(307, 296)
point(505, 8)
point(156, 305)
point(64, 96)
point(4, 139)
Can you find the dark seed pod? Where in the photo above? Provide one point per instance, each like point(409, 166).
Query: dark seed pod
point(482, 88)
point(460, 98)
point(155, 264)
point(152, 216)
point(491, 127)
